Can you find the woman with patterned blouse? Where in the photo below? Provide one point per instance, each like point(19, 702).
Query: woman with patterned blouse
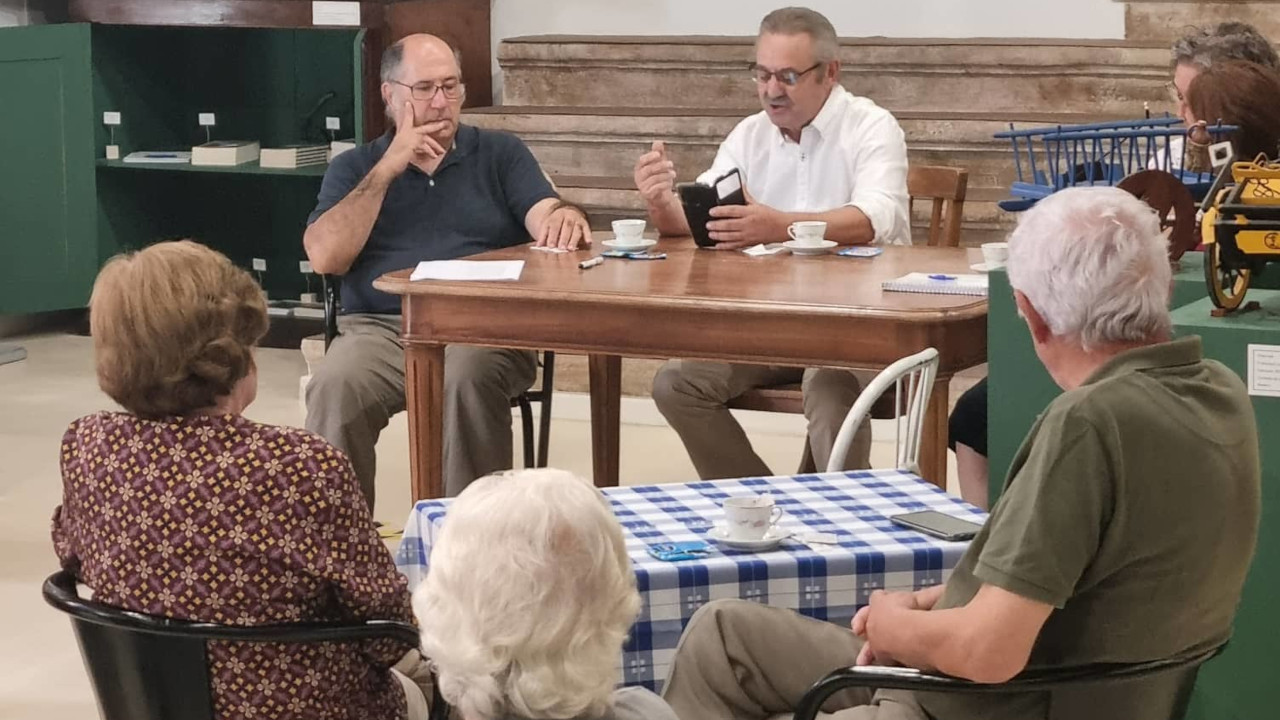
point(182, 507)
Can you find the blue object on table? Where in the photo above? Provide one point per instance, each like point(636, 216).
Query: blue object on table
point(829, 582)
point(676, 551)
point(861, 251)
point(634, 255)
point(942, 277)
point(1049, 159)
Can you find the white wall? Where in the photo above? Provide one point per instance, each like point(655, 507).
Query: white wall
point(852, 18)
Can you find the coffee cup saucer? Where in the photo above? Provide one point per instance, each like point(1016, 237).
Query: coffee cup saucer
point(985, 267)
point(771, 539)
point(642, 244)
point(819, 248)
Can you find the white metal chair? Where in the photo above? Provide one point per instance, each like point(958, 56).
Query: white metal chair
point(913, 378)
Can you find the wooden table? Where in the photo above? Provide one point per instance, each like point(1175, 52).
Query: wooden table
point(776, 310)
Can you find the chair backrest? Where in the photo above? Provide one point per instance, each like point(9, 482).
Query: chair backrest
point(946, 187)
point(912, 378)
point(145, 667)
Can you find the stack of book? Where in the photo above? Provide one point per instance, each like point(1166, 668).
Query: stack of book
point(225, 153)
point(292, 157)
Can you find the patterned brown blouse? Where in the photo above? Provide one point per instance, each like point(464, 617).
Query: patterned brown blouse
point(221, 519)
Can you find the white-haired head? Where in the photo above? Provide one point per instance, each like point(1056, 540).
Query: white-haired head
point(528, 598)
point(1094, 264)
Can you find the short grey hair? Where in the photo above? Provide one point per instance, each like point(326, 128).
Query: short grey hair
point(1226, 41)
point(1094, 263)
point(393, 58)
point(798, 21)
point(528, 598)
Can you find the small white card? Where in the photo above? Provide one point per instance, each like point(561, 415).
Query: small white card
point(332, 123)
point(335, 13)
point(1264, 370)
point(207, 120)
point(468, 270)
point(110, 118)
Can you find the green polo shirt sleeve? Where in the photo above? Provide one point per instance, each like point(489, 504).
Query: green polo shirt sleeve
point(1047, 527)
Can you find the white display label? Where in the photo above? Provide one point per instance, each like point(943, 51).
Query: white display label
point(304, 267)
point(110, 118)
point(332, 123)
point(1264, 370)
point(335, 13)
point(259, 265)
point(208, 120)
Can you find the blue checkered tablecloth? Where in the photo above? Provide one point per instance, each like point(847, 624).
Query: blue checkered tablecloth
point(828, 582)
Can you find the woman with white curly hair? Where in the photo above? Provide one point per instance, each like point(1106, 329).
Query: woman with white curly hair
point(528, 600)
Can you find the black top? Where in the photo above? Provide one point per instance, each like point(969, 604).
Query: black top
point(476, 201)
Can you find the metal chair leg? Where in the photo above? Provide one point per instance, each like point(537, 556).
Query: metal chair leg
point(526, 424)
point(544, 421)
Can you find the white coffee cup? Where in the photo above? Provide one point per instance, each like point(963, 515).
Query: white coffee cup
point(808, 233)
point(995, 254)
point(750, 517)
point(629, 232)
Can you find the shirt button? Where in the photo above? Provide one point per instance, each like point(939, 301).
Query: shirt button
point(432, 183)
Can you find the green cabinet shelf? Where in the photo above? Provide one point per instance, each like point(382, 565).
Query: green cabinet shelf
point(65, 210)
point(251, 168)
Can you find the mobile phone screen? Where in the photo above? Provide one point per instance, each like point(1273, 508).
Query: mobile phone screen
point(931, 522)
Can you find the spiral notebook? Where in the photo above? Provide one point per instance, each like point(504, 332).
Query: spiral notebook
point(939, 284)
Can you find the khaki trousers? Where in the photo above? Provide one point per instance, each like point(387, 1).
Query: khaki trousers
point(693, 396)
point(360, 385)
point(740, 660)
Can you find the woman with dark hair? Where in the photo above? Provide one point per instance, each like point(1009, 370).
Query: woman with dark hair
point(1237, 93)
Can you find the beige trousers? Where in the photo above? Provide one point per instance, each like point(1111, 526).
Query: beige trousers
point(740, 660)
point(414, 675)
point(693, 396)
point(360, 386)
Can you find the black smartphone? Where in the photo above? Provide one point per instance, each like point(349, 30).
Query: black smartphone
point(939, 525)
point(698, 200)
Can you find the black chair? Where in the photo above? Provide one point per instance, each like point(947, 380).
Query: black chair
point(1093, 682)
point(145, 667)
point(541, 395)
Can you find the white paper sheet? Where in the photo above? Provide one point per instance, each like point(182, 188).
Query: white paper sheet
point(468, 270)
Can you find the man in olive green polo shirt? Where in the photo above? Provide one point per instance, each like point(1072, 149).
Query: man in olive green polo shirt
point(1124, 533)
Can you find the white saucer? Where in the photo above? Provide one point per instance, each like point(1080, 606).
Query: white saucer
point(985, 267)
point(819, 249)
point(616, 244)
point(771, 539)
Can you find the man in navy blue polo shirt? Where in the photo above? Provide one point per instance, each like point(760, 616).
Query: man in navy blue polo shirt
point(431, 189)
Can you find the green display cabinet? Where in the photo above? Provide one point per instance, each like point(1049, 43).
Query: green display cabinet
point(1239, 685)
point(65, 209)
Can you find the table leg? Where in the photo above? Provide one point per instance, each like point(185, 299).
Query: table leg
point(424, 399)
point(606, 408)
point(933, 446)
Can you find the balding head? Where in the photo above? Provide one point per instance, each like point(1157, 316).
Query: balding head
point(417, 48)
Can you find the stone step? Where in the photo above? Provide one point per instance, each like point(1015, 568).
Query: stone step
point(1157, 21)
point(607, 140)
point(997, 75)
point(608, 198)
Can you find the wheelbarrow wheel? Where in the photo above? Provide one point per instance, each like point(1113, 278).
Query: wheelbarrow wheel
point(1227, 286)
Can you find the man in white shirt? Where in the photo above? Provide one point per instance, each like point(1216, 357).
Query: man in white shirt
point(816, 152)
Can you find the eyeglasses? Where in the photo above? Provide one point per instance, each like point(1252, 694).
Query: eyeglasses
point(786, 76)
point(1174, 93)
point(452, 89)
